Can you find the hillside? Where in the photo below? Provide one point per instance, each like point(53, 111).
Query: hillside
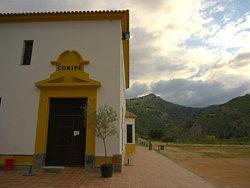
point(154, 112)
point(229, 120)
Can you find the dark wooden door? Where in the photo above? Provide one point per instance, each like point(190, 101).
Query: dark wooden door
point(66, 132)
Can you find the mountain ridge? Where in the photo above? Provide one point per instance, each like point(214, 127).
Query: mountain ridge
point(228, 120)
point(154, 112)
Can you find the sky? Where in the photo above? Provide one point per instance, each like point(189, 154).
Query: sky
point(194, 53)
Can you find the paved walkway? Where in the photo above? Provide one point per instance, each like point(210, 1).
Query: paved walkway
point(149, 169)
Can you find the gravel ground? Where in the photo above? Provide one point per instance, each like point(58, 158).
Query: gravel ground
point(222, 166)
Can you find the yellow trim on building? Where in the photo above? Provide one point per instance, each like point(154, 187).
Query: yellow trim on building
point(130, 148)
point(65, 87)
point(123, 16)
point(43, 115)
point(20, 160)
point(3, 157)
point(101, 160)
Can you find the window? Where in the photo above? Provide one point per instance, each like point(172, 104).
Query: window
point(27, 52)
point(129, 134)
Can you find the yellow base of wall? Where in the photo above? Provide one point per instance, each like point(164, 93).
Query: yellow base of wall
point(27, 160)
point(18, 160)
point(130, 148)
point(101, 160)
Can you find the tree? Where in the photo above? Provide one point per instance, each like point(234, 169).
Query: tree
point(211, 139)
point(103, 120)
point(156, 134)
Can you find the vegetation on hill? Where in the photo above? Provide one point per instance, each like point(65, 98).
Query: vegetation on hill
point(229, 120)
point(155, 113)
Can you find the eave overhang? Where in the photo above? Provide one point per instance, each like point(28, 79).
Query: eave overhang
point(123, 16)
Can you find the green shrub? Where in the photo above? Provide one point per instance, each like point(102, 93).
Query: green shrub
point(136, 136)
point(156, 134)
point(211, 139)
point(168, 139)
point(143, 137)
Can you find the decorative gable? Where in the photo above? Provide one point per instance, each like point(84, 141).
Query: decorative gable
point(69, 72)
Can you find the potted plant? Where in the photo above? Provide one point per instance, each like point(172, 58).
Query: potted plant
point(104, 121)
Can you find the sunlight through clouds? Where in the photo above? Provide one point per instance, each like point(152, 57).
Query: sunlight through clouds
point(191, 52)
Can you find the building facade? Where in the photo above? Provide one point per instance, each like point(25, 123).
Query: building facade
point(130, 132)
point(52, 66)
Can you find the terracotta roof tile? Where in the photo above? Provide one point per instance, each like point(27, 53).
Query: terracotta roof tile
point(130, 115)
point(63, 12)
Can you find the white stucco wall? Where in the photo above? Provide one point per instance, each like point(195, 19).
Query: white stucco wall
point(116, 145)
point(122, 101)
point(97, 41)
point(113, 98)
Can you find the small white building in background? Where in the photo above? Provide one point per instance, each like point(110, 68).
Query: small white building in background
point(130, 131)
point(52, 65)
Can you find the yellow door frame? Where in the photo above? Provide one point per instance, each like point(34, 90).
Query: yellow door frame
point(43, 115)
point(68, 82)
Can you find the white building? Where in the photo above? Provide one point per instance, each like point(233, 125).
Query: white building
point(130, 132)
point(51, 65)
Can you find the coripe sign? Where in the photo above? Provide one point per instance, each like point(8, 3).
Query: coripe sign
point(69, 68)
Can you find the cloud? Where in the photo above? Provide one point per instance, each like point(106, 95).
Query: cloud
point(218, 8)
point(232, 34)
point(197, 93)
point(190, 45)
point(189, 92)
point(241, 60)
point(137, 89)
point(219, 64)
point(207, 4)
point(239, 65)
point(148, 14)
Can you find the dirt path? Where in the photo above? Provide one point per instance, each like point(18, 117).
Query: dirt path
point(223, 173)
point(224, 167)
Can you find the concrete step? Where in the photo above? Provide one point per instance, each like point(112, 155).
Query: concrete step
point(53, 167)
